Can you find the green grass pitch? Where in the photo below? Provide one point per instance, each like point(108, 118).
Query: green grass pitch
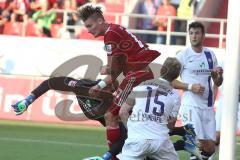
point(38, 141)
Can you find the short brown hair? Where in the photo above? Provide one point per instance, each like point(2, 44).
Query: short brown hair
point(196, 24)
point(87, 11)
point(171, 69)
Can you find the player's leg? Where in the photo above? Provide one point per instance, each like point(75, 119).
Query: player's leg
point(163, 149)
point(204, 124)
point(56, 83)
point(116, 134)
point(134, 149)
point(218, 116)
point(209, 130)
point(192, 125)
point(183, 130)
point(22, 105)
point(186, 132)
point(120, 96)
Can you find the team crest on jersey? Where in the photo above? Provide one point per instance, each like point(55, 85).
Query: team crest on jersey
point(108, 48)
point(202, 65)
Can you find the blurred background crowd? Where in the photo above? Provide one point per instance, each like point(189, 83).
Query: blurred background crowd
point(58, 19)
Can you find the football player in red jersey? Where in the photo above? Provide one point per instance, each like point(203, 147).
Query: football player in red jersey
point(125, 54)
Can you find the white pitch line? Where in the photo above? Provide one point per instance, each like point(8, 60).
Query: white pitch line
point(49, 142)
point(54, 142)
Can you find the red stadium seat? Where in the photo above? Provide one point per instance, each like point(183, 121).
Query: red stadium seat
point(110, 18)
point(3, 4)
point(32, 30)
point(116, 8)
point(55, 29)
point(11, 28)
point(1, 29)
point(85, 35)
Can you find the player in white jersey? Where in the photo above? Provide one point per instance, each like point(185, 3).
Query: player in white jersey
point(155, 105)
point(199, 68)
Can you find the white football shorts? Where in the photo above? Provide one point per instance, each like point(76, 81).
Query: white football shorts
point(138, 149)
point(203, 121)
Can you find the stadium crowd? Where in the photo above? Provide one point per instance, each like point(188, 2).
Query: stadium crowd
point(37, 18)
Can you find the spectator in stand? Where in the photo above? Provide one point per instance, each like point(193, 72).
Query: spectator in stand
point(44, 19)
point(165, 9)
point(34, 6)
point(70, 6)
point(53, 4)
point(185, 10)
point(4, 17)
point(5, 13)
point(19, 12)
point(177, 22)
point(147, 7)
point(81, 2)
point(175, 3)
point(99, 3)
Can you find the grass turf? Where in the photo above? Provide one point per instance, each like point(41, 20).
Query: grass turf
point(27, 141)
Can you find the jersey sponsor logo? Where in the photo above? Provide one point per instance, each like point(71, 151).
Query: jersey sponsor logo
point(202, 72)
point(86, 107)
point(108, 48)
point(141, 116)
point(72, 83)
point(150, 117)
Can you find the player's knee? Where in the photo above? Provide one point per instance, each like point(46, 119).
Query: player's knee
point(111, 119)
point(123, 114)
point(209, 147)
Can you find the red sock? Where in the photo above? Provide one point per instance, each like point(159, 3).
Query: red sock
point(113, 135)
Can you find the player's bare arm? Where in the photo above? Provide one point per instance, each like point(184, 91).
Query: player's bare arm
point(115, 64)
point(215, 91)
point(180, 85)
point(195, 88)
point(113, 69)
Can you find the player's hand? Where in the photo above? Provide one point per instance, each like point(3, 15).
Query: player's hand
point(94, 91)
point(217, 76)
point(219, 70)
point(105, 70)
point(215, 73)
point(198, 89)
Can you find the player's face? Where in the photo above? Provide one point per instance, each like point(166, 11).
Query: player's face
point(95, 26)
point(196, 37)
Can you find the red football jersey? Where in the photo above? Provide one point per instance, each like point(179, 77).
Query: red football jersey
point(118, 40)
